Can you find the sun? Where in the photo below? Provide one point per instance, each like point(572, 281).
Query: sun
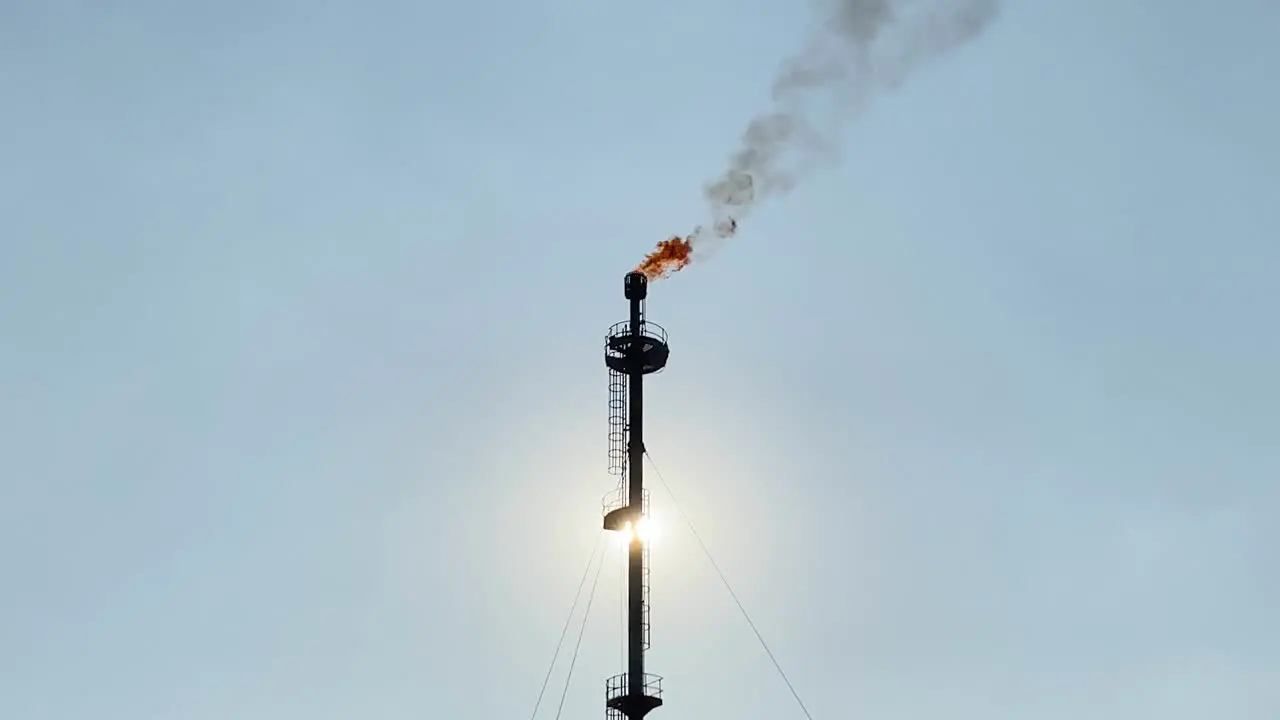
point(645, 530)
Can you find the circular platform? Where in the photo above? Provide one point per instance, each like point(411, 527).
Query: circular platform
point(652, 343)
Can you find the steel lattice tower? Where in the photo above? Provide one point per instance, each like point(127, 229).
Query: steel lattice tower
point(633, 349)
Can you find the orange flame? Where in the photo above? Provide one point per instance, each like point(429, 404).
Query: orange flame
point(675, 253)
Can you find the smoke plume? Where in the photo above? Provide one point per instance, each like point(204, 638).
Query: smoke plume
point(862, 47)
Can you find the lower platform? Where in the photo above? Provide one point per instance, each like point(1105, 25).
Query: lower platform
point(621, 702)
point(633, 707)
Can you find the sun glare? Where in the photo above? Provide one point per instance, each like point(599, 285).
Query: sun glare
point(645, 529)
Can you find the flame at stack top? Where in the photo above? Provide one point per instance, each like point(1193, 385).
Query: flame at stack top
point(671, 255)
point(675, 253)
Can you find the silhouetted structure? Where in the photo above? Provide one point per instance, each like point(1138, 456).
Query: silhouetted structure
point(633, 349)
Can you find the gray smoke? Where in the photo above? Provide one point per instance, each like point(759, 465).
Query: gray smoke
point(861, 48)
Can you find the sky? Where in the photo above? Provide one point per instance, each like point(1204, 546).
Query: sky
point(302, 398)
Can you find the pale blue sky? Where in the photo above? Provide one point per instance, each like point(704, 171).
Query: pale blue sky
point(302, 408)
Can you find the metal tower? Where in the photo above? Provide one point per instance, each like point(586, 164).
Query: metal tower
point(633, 349)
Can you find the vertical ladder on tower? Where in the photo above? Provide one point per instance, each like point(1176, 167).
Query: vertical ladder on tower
point(618, 425)
point(644, 589)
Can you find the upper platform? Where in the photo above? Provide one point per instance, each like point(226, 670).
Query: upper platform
point(646, 346)
point(651, 343)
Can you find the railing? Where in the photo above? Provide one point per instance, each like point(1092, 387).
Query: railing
point(617, 499)
point(620, 335)
point(618, 686)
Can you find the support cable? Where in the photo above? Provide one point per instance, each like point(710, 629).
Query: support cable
point(706, 551)
point(586, 614)
point(565, 631)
